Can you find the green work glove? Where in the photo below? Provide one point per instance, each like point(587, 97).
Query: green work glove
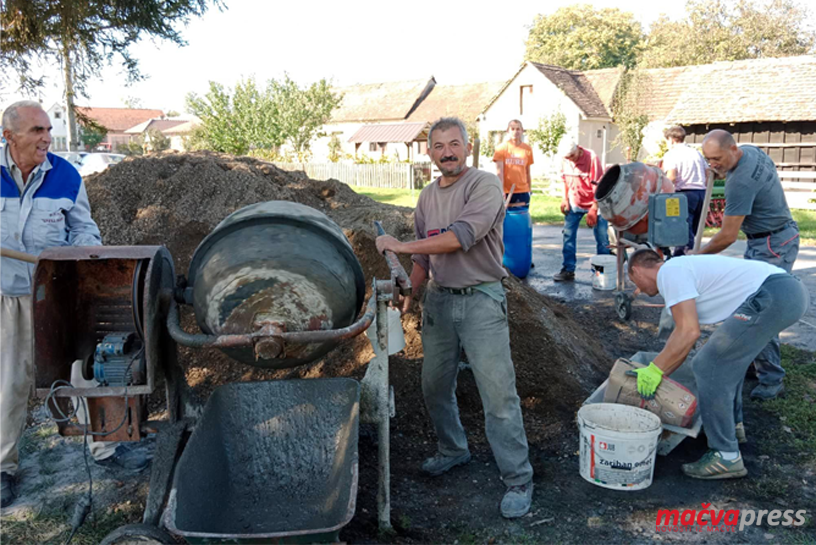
point(648, 379)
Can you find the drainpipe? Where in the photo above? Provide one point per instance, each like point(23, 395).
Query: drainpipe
point(603, 154)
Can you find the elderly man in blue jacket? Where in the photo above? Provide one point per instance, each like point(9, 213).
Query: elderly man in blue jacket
point(44, 204)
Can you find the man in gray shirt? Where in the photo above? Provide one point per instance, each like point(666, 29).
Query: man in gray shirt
point(458, 225)
point(755, 202)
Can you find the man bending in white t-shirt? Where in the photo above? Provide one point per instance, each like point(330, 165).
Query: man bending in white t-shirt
point(754, 301)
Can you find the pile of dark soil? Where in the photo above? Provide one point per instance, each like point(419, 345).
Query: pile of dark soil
point(176, 199)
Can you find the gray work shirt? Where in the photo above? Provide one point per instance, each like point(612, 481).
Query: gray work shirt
point(473, 208)
point(753, 190)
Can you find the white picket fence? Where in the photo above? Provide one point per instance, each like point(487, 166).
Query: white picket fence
point(387, 175)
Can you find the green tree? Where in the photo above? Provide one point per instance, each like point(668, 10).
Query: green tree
point(93, 134)
point(251, 118)
point(157, 141)
point(549, 133)
point(335, 148)
point(301, 112)
point(235, 121)
point(84, 35)
point(582, 38)
point(629, 111)
point(730, 30)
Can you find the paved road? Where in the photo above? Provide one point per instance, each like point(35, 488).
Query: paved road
point(547, 258)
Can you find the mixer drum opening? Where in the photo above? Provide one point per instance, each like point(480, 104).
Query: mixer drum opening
point(607, 182)
point(276, 262)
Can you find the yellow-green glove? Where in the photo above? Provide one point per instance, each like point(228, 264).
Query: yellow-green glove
point(648, 379)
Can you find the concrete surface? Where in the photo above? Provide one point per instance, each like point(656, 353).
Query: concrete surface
point(547, 244)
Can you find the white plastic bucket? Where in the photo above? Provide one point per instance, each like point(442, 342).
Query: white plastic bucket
point(396, 335)
point(618, 445)
point(604, 272)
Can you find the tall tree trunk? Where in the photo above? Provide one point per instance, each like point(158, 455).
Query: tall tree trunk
point(73, 140)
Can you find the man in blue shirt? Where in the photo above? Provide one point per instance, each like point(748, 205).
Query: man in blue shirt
point(43, 204)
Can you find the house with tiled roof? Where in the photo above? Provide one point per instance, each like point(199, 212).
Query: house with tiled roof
point(770, 103)
point(392, 119)
point(117, 121)
point(463, 101)
point(538, 91)
point(372, 104)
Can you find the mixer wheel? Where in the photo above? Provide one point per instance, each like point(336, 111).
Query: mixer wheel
point(623, 306)
point(138, 533)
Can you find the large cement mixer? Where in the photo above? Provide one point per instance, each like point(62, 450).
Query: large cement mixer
point(639, 202)
point(623, 195)
point(275, 285)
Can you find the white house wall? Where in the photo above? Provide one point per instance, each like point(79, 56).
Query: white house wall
point(344, 131)
point(59, 128)
point(546, 99)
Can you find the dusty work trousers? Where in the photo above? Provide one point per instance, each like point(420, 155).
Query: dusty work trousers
point(719, 367)
point(17, 380)
point(477, 323)
point(780, 249)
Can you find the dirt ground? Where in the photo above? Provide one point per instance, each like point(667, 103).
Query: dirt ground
point(561, 351)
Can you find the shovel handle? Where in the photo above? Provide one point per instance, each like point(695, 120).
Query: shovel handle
point(509, 196)
point(20, 256)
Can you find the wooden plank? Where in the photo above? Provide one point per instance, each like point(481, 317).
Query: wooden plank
point(801, 175)
point(790, 155)
point(808, 131)
point(784, 144)
point(792, 133)
point(776, 155)
point(744, 133)
point(777, 132)
point(762, 133)
point(803, 186)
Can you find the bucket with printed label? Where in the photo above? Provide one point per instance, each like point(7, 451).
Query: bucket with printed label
point(618, 445)
point(604, 271)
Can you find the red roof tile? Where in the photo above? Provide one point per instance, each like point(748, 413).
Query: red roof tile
point(119, 119)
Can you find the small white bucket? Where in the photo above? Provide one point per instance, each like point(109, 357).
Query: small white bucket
point(618, 445)
point(396, 335)
point(604, 272)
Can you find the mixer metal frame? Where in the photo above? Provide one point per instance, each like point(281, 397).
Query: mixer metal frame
point(82, 293)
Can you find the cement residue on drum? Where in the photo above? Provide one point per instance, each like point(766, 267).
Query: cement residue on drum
point(291, 293)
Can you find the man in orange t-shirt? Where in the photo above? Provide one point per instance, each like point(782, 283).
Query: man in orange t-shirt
point(513, 159)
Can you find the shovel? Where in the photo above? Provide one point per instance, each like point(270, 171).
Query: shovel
point(20, 256)
point(509, 196)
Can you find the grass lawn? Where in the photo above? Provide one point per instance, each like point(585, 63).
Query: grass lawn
point(545, 210)
point(397, 197)
point(796, 408)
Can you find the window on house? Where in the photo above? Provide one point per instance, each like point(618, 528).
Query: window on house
point(525, 92)
point(57, 115)
point(372, 146)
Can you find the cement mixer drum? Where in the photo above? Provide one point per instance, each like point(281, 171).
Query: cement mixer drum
point(276, 262)
point(623, 195)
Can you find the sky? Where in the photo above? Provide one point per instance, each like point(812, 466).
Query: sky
point(356, 41)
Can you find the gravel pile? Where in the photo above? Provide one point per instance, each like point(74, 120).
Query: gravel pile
point(176, 199)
